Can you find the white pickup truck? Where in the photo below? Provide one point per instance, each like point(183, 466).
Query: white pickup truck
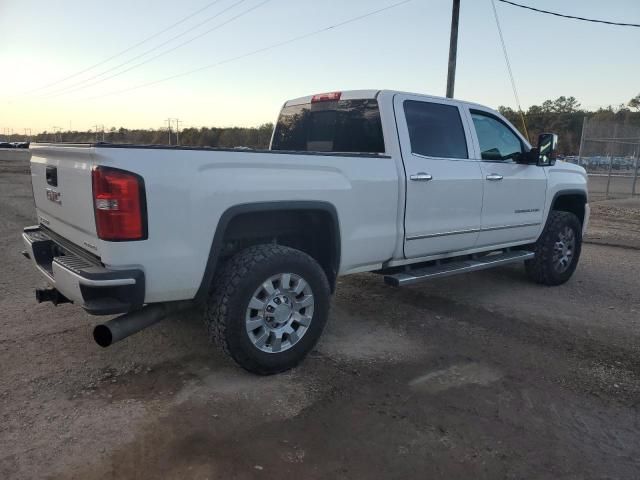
point(408, 186)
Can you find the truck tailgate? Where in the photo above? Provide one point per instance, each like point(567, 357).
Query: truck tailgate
point(62, 190)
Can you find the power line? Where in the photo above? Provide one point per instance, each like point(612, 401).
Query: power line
point(128, 49)
point(506, 58)
point(573, 17)
point(71, 88)
point(255, 52)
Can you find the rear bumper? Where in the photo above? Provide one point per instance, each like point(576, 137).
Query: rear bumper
point(84, 281)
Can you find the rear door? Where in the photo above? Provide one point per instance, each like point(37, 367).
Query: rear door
point(514, 193)
point(62, 190)
point(443, 179)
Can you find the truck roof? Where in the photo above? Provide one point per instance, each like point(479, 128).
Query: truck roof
point(372, 93)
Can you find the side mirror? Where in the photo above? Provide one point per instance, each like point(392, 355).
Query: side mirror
point(547, 144)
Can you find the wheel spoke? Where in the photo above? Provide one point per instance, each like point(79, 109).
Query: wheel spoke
point(276, 344)
point(260, 341)
point(256, 304)
point(303, 320)
point(293, 336)
point(300, 287)
point(307, 301)
point(285, 281)
point(254, 323)
point(268, 286)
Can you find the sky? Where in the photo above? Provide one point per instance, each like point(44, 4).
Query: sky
point(403, 48)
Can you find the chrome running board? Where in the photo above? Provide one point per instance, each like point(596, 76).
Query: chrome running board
point(422, 274)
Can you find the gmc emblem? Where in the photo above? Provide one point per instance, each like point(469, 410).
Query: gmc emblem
point(54, 196)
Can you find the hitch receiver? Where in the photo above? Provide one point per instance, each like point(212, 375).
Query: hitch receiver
point(50, 295)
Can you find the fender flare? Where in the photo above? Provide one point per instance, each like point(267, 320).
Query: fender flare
point(570, 191)
point(234, 211)
point(564, 193)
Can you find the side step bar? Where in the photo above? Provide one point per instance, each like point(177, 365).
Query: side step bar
point(422, 274)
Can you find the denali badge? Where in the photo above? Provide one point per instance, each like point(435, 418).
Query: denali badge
point(90, 245)
point(54, 196)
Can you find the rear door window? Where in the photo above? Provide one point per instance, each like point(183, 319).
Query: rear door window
point(435, 129)
point(348, 126)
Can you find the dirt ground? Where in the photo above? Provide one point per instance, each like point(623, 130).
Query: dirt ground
point(483, 375)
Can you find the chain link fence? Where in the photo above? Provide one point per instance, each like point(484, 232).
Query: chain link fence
point(610, 151)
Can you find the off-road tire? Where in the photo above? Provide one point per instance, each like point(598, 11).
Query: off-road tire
point(541, 268)
point(232, 289)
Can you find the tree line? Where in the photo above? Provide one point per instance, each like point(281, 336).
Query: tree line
point(563, 116)
point(250, 137)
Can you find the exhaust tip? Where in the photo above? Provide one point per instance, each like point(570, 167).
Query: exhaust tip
point(102, 335)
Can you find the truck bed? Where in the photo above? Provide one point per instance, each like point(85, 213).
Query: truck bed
point(188, 189)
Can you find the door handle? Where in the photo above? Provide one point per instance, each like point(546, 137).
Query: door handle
point(421, 177)
point(494, 177)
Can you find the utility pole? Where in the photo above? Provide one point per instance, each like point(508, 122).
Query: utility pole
point(168, 120)
point(101, 127)
point(453, 48)
point(178, 122)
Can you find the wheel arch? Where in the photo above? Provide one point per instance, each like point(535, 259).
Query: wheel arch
point(238, 218)
point(570, 200)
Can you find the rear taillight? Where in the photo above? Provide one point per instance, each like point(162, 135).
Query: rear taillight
point(120, 204)
point(326, 97)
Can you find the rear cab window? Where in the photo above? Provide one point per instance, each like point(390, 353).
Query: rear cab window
point(340, 126)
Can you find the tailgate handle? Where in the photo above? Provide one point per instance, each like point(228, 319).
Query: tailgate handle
point(52, 175)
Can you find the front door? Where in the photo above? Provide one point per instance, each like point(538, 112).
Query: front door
point(443, 180)
point(514, 193)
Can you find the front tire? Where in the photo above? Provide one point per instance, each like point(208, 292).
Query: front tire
point(268, 307)
point(557, 250)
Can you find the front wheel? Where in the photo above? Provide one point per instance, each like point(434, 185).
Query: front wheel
point(268, 307)
point(557, 250)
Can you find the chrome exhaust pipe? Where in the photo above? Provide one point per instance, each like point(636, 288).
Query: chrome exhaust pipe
point(125, 325)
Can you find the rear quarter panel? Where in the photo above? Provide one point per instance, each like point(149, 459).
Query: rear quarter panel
point(189, 190)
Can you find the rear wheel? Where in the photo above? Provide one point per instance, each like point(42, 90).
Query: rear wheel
point(268, 307)
point(557, 250)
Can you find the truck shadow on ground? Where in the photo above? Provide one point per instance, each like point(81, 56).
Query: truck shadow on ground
point(432, 386)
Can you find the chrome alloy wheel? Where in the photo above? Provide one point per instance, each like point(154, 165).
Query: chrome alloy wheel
point(279, 312)
point(563, 249)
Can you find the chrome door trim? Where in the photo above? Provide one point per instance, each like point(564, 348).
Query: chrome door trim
point(472, 230)
point(520, 225)
point(432, 235)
